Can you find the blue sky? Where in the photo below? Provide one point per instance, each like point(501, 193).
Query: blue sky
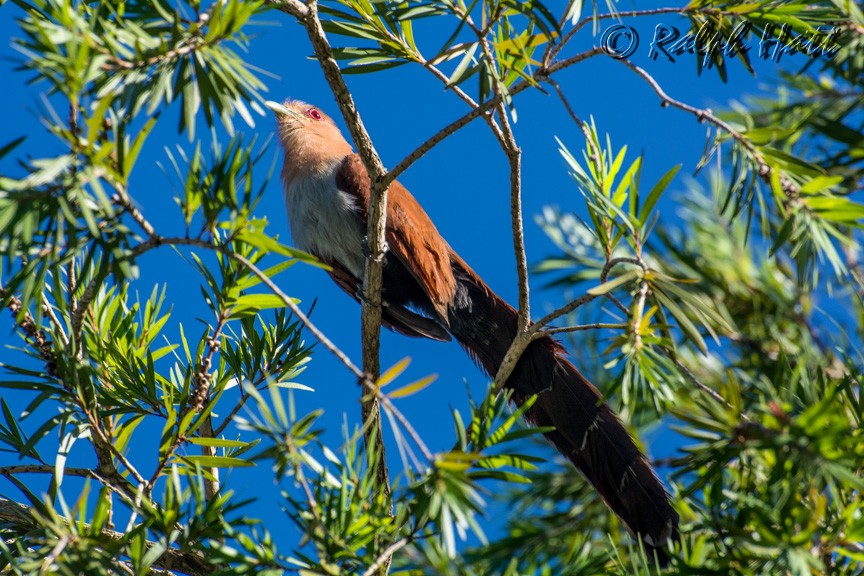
point(463, 185)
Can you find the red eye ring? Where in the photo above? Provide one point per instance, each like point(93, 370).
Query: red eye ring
point(314, 114)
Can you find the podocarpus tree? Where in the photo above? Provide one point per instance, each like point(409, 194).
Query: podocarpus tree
point(738, 323)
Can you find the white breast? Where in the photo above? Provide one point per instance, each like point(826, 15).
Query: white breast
point(324, 220)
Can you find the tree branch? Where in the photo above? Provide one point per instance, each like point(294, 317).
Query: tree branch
point(481, 109)
point(46, 469)
point(201, 397)
point(21, 519)
point(764, 170)
point(385, 557)
point(553, 49)
point(579, 328)
point(376, 231)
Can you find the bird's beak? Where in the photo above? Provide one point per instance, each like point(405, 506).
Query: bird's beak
point(281, 110)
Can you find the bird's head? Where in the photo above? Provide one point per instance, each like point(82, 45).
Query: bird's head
point(307, 133)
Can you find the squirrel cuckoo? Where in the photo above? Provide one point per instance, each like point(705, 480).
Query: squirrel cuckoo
point(429, 291)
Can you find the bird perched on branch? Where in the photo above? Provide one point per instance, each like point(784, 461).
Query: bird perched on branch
point(429, 291)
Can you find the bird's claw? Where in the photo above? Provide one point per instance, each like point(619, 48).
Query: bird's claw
point(361, 296)
point(367, 252)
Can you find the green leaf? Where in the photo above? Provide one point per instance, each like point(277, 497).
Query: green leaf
point(218, 442)
point(11, 146)
point(216, 461)
point(820, 184)
point(459, 73)
point(251, 304)
point(838, 209)
point(687, 327)
point(656, 192)
point(614, 283)
point(267, 244)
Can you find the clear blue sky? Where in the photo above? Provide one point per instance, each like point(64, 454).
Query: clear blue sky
point(463, 184)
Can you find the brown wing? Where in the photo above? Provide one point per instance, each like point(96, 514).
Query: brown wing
point(395, 317)
point(411, 236)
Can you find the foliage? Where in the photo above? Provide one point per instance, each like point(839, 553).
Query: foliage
point(739, 323)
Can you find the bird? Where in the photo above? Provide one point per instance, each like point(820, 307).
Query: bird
point(429, 291)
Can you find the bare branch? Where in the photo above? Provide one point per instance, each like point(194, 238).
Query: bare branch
point(517, 228)
point(481, 109)
point(46, 469)
point(790, 189)
point(579, 328)
point(553, 49)
point(385, 556)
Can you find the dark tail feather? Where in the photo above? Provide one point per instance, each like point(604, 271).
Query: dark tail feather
point(586, 431)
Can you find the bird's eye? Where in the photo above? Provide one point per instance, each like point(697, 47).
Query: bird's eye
point(314, 114)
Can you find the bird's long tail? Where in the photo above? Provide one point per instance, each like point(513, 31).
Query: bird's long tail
point(586, 431)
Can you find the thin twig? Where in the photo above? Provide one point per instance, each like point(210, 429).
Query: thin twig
point(244, 397)
point(620, 260)
point(566, 309)
point(692, 377)
point(58, 326)
point(790, 189)
point(553, 49)
point(579, 328)
point(385, 556)
point(490, 120)
point(201, 397)
point(699, 384)
point(481, 109)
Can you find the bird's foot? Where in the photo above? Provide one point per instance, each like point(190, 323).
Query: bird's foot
point(367, 252)
point(363, 298)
